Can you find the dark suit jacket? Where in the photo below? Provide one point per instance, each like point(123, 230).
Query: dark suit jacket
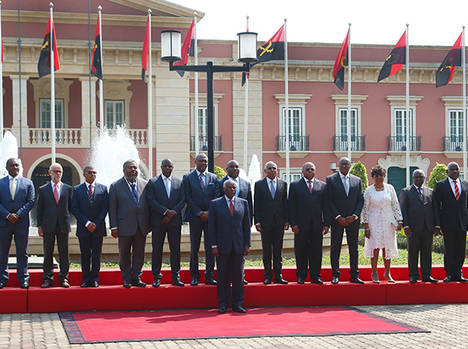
point(197, 199)
point(24, 201)
point(418, 214)
point(453, 214)
point(84, 211)
point(267, 210)
point(226, 231)
point(159, 203)
point(49, 213)
point(124, 213)
point(339, 203)
point(245, 192)
point(307, 210)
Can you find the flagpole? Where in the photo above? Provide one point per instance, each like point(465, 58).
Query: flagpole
point(246, 114)
point(150, 101)
point(407, 111)
point(52, 82)
point(1, 78)
point(286, 91)
point(463, 56)
point(101, 84)
point(195, 53)
point(348, 118)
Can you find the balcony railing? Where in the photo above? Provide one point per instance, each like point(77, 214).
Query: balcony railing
point(63, 136)
point(296, 143)
point(453, 143)
point(138, 136)
point(203, 142)
point(340, 143)
point(398, 143)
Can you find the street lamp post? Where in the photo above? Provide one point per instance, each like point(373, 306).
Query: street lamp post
point(170, 52)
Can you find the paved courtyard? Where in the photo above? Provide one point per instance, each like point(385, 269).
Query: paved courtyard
point(448, 324)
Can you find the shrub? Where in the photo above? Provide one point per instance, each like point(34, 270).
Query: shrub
point(219, 172)
point(359, 170)
point(438, 173)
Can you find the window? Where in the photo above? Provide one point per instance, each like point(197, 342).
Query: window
point(343, 129)
point(454, 141)
point(202, 121)
point(400, 124)
point(114, 113)
point(44, 116)
point(293, 175)
point(296, 126)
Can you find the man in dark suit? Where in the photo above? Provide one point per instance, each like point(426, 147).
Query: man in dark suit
point(16, 200)
point(451, 200)
point(53, 221)
point(420, 221)
point(229, 235)
point(129, 221)
point(166, 199)
point(345, 203)
point(271, 220)
point(89, 205)
point(243, 188)
point(308, 216)
point(200, 188)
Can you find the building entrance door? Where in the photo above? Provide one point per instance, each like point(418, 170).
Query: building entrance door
point(396, 176)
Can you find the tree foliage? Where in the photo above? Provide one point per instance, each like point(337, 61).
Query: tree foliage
point(219, 172)
point(439, 172)
point(360, 171)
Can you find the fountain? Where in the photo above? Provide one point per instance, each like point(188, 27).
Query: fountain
point(8, 149)
point(255, 173)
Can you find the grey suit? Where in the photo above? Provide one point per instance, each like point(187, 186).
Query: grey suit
point(132, 221)
point(421, 216)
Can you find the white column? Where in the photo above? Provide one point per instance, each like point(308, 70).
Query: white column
point(16, 105)
point(85, 126)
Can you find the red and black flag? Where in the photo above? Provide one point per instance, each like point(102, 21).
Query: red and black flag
point(144, 56)
point(273, 49)
point(188, 48)
point(340, 63)
point(96, 67)
point(43, 66)
point(447, 68)
point(245, 76)
point(395, 60)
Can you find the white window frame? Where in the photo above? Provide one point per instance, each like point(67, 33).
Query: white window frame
point(114, 102)
point(294, 174)
point(302, 120)
point(58, 101)
point(394, 111)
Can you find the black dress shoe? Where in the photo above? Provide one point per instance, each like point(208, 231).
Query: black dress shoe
point(267, 281)
point(194, 281)
point(462, 279)
point(413, 279)
point(93, 284)
point(84, 285)
point(281, 281)
point(335, 280)
point(127, 284)
point(222, 310)
point(138, 283)
point(356, 280)
point(2, 285)
point(211, 282)
point(300, 281)
point(25, 285)
point(430, 279)
point(46, 284)
point(156, 283)
point(239, 309)
point(245, 282)
point(448, 278)
point(64, 284)
point(317, 281)
point(177, 282)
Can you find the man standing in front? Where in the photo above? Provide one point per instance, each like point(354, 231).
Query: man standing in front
point(53, 221)
point(420, 221)
point(200, 188)
point(89, 205)
point(129, 221)
point(451, 200)
point(271, 220)
point(345, 203)
point(308, 216)
point(229, 236)
point(166, 199)
point(16, 200)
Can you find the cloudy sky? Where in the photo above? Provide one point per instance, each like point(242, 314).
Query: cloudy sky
point(373, 21)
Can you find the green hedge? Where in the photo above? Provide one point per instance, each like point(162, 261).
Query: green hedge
point(359, 170)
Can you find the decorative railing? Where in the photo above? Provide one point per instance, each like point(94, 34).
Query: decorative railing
point(139, 136)
point(453, 143)
point(398, 143)
point(203, 142)
point(340, 143)
point(63, 136)
point(296, 143)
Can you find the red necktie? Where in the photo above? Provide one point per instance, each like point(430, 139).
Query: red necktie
point(310, 186)
point(56, 194)
point(457, 191)
point(91, 194)
point(231, 207)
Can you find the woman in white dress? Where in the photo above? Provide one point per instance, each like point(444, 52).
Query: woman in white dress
point(382, 218)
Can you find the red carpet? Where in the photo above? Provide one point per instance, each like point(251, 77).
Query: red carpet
point(199, 323)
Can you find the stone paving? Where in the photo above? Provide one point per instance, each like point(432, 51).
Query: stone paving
point(448, 324)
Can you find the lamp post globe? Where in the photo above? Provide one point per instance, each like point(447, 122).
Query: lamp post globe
point(170, 45)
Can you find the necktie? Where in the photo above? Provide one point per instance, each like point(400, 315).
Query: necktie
point(421, 193)
point(272, 189)
point(134, 192)
point(13, 188)
point(202, 181)
point(231, 207)
point(168, 190)
point(346, 185)
point(310, 186)
point(457, 190)
point(91, 194)
point(56, 194)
